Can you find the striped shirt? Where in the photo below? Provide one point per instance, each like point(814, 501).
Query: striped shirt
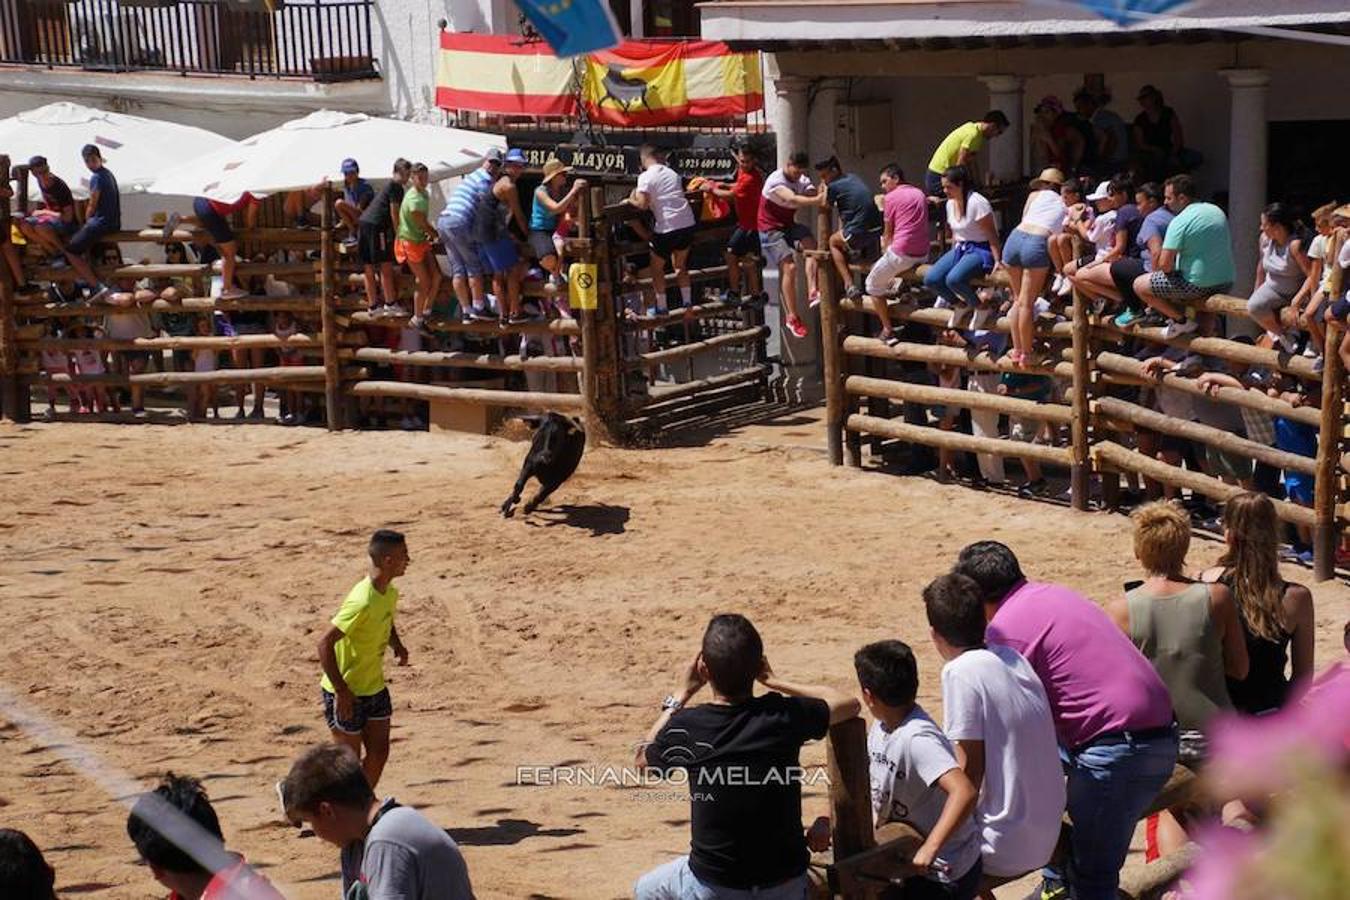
point(463, 206)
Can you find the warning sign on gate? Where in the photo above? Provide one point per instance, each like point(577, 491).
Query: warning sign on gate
point(583, 290)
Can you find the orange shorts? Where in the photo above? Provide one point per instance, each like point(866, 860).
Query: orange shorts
point(408, 251)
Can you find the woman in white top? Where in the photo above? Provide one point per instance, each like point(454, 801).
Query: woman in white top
point(1027, 256)
point(1280, 272)
point(975, 247)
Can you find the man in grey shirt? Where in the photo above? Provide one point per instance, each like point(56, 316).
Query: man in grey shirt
point(389, 852)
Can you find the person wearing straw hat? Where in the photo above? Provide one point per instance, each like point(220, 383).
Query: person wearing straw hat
point(1027, 256)
point(552, 201)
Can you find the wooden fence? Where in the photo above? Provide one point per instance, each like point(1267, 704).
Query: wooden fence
point(1085, 362)
point(626, 372)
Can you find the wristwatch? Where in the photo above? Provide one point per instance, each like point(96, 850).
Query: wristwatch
point(671, 703)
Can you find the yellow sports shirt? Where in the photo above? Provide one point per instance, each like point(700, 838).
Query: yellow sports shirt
point(967, 137)
point(365, 619)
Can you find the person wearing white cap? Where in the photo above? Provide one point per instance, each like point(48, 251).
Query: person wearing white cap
point(1112, 233)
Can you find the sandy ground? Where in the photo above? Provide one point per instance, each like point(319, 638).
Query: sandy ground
point(164, 588)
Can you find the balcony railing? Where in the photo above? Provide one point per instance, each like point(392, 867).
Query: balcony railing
point(323, 40)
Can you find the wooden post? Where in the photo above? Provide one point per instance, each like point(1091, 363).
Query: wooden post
point(1327, 487)
point(831, 356)
point(601, 378)
point(1080, 473)
point(9, 350)
point(850, 791)
point(332, 385)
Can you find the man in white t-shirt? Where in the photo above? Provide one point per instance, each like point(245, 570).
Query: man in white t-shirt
point(787, 190)
point(660, 191)
point(997, 713)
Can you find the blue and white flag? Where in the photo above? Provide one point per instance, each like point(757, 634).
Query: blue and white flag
point(1128, 12)
point(573, 27)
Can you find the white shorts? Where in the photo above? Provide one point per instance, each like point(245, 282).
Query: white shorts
point(881, 280)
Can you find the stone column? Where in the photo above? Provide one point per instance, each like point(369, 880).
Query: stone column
point(1246, 168)
point(1005, 154)
point(790, 114)
point(822, 119)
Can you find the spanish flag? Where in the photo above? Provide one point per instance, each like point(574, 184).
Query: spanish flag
point(638, 84)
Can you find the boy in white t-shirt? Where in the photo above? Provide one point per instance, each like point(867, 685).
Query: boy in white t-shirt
point(660, 190)
point(995, 709)
point(916, 778)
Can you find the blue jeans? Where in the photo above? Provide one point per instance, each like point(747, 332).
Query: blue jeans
point(674, 881)
point(1109, 787)
point(950, 276)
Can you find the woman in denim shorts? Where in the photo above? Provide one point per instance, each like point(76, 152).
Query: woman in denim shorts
point(1027, 256)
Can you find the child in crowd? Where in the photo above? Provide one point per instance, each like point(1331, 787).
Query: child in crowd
point(1297, 437)
point(1077, 219)
point(57, 362)
point(204, 396)
point(1307, 307)
point(1028, 430)
point(996, 711)
point(916, 778)
point(947, 377)
point(88, 361)
point(284, 326)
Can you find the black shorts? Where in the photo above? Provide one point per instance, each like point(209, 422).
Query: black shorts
point(88, 235)
point(374, 244)
point(743, 242)
point(375, 708)
point(1340, 310)
point(1123, 274)
point(665, 245)
point(541, 244)
point(215, 224)
point(863, 245)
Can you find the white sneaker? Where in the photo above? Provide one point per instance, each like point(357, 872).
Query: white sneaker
point(1288, 342)
point(1310, 350)
point(1057, 284)
point(1065, 287)
point(1177, 329)
point(980, 318)
point(958, 313)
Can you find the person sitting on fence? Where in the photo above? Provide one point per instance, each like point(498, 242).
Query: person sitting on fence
point(413, 245)
point(917, 778)
point(660, 191)
point(787, 190)
point(90, 361)
point(24, 873)
point(177, 835)
point(1078, 217)
point(1293, 436)
point(375, 234)
point(1196, 260)
point(904, 239)
point(388, 849)
point(202, 397)
point(1339, 308)
point(744, 193)
point(552, 200)
point(961, 147)
point(357, 195)
point(746, 832)
point(1027, 257)
point(975, 249)
point(103, 215)
point(356, 702)
point(1281, 272)
point(213, 215)
point(1189, 631)
point(860, 223)
point(50, 225)
point(1276, 616)
point(498, 221)
point(1309, 305)
point(1144, 237)
point(1114, 234)
point(996, 711)
point(1113, 716)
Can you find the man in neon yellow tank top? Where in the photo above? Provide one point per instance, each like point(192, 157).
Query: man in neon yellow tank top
point(356, 702)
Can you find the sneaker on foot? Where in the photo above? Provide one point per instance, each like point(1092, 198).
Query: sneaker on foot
point(1065, 287)
point(1057, 283)
point(414, 321)
point(1288, 342)
point(958, 313)
point(854, 293)
point(980, 318)
point(814, 299)
point(795, 326)
point(1126, 319)
point(1032, 489)
point(481, 314)
point(1176, 329)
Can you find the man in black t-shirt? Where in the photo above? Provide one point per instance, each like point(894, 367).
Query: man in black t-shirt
point(741, 757)
point(859, 236)
point(375, 235)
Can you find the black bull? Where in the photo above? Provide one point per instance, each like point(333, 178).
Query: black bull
point(555, 452)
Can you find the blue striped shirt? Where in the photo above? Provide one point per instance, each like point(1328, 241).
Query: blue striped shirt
point(463, 206)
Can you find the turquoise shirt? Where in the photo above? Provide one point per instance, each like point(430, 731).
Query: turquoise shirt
point(1203, 244)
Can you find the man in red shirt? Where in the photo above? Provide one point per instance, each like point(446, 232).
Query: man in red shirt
point(214, 216)
point(745, 194)
point(177, 834)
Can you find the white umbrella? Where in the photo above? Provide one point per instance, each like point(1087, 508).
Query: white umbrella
point(301, 152)
point(135, 149)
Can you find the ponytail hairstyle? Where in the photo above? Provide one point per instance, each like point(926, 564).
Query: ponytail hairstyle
point(1252, 561)
point(1283, 214)
point(960, 176)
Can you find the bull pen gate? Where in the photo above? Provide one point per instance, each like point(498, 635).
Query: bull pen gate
point(861, 387)
point(626, 372)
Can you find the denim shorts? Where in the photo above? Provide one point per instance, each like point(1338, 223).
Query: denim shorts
point(1026, 251)
point(374, 708)
point(461, 251)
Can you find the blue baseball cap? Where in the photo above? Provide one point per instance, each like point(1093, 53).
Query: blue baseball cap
point(349, 166)
point(514, 155)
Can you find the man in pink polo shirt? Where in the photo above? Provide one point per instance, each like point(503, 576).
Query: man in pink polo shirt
point(905, 241)
point(1112, 713)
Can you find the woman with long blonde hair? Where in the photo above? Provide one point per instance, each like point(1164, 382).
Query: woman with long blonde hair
point(1276, 615)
